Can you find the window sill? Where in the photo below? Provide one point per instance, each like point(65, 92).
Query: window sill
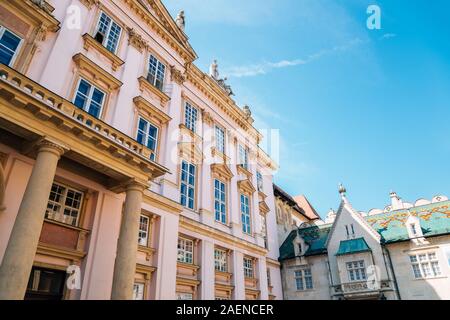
point(144, 84)
point(90, 42)
point(430, 278)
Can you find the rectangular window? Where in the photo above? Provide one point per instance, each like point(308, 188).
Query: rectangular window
point(220, 260)
point(138, 291)
point(220, 139)
point(108, 32)
point(156, 71)
point(64, 204)
point(187, 192)
point(259, 181)
point(45, 284)
point(147, 134)
point(245, 214)
point(220, 201)
point(89, 98)
point(425, 265)
point(144, 224)
point(356, 270)
point(303, 279)
point(184, 296)
point(9, 46)
point(190, 117)
point(243, 157)
point(248, 268)
point(185, 251)
point(269, 280)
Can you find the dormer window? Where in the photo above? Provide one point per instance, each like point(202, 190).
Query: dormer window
point(300, 250)
point(108, 32)
point(413, 229)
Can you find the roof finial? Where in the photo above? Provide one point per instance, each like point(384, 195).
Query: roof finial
point(342, 190)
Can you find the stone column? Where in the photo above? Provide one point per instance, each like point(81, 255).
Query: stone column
point(125, 265)
point(19, 255)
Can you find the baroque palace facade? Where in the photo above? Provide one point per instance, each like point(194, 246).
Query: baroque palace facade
point(400, 252)
point(124, 164)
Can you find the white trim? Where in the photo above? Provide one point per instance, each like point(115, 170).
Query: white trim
point(19, 46)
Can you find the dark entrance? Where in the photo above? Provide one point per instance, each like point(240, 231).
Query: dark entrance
point(45, 284)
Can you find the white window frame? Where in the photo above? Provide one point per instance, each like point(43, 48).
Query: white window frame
point(425, 265)
point(159, 64)
point(19, 46)
point(259, 181)
point(146, 135)
point(185, 296)
point(220, 137)
point(138, 291)
point(89, 98)
point(249, 267)
point(188, 186)
point(108, 32)
point(245, 213)
point(303, 279)
point(243, 156)
point(219, 202)
point(144, 234)
point(356, 270)
point(185, 253)
point(190, 116)
point(220, 260)
point(63, 206)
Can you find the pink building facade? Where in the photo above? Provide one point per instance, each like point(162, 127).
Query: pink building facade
point(124, 164)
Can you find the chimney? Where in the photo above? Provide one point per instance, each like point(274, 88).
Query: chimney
point(396, 201)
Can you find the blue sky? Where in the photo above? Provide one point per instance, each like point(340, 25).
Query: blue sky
point(368, 108)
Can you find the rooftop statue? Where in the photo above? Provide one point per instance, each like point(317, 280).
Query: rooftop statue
point(180, 20)
point(214, 73)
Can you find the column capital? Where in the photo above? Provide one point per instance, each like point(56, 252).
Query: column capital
point(136, 186)
point(46, 145)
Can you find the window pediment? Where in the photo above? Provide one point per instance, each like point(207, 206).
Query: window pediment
point(190, 152)
point(95, 72)
point(152, 112)
point(222, 171)
point(145, 85)
point(246, 186)
point(263, 207)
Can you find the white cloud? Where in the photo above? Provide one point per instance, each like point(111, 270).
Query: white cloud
point(265, 67)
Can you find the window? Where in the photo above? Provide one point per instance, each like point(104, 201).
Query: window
point(425, 265)
point(220, 260)
point(413, 229)
point(243, 157)
point(220, 139)
point(156, 71)
point(9, 45)
point(220, 201)
point(259, 181)
point(143, 230)
point(185, 251)
point(147, 134)
point(303, 279)
point(248, 268)
point(190, 117)
point(138, 291)
point(245, 214)
point(64, 204)
point(89, 98)
point(45, 284)
point(187, 185)
point(108, 32)
point(356, 270)
point(269, 280)
point(184, 296)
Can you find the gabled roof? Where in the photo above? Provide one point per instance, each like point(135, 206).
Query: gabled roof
point(434, 220)
point(352, 246)
point(309, 210)
point(278, 192)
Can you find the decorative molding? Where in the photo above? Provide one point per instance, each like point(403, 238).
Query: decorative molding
point(221, 171)
point(90, 42)
point(246, 186)
point(146, 270)
point(89, 3)
point(145, 85)
point(189, 151)
point(207, 118)
point(153, 112)
point(177, 76)
point(136, 40)
point(263, 207)
point(87, 66)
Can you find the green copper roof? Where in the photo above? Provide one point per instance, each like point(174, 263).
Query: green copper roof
point(434, 220)
point(352, 246)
